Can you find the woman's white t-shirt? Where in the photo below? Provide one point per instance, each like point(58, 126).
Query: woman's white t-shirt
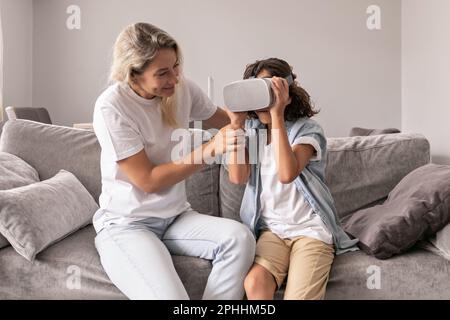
point(126, 123)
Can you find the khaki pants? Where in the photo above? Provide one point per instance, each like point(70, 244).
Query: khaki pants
point(305, 261)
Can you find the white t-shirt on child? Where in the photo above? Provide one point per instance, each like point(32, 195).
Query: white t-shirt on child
point(126, 123)
point(284, 210)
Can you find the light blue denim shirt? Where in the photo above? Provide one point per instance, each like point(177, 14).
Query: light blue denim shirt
point(311, 181)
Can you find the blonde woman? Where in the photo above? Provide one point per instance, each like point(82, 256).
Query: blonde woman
point(144, 215)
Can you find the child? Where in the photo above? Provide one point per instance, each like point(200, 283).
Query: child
point(286, 202)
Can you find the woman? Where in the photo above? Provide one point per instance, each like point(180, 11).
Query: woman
point(144, 215)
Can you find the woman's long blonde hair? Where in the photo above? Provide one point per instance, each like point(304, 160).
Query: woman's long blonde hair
point(135, 48)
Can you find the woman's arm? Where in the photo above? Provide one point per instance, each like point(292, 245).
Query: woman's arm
point(152, 178)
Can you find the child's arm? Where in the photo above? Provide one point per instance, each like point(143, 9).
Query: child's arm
point(238, 166)
point(290, 160)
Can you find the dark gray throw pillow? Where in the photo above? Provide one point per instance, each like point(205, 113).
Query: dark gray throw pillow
point(357, 131)
point(35, 216)
point(230, 195)
point(202, 190)
point(14, 172)
point(418, 207)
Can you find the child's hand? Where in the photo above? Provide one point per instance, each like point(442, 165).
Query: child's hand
point(237, 119)
point(281, 91)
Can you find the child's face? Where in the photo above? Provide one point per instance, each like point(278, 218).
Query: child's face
point(264, 114)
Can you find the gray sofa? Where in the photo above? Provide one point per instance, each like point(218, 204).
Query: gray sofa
point(360, 173)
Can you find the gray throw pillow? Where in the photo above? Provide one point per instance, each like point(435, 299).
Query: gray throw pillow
point(418, 207)
point(35, 216)
point(14, 172)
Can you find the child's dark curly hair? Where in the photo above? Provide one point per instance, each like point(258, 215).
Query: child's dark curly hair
point(300, 105)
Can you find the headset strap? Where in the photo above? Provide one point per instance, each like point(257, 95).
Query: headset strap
point(289, 79)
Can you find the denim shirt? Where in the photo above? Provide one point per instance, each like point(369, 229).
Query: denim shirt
point(311, 182)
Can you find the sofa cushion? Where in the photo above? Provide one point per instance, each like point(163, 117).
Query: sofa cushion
point(363, 170)
point(35, 216)
point(71, 269)
point(14, 172)
point(360, 172)
point(202, 189)
point(50, 148)
point(416, 208)
point(438, 243)
point(416, 274)
point(3, 242)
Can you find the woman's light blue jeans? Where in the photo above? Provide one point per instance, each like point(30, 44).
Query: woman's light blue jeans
point(137, 257)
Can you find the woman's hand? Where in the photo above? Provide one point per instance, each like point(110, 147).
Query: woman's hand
point(228, 139)
point(281, 92)
point(237, 119)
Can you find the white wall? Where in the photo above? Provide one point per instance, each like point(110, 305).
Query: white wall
point(353, 74)
point(17, 23)
point(426, 73)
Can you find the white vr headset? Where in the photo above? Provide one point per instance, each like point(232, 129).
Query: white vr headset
point(250, 94)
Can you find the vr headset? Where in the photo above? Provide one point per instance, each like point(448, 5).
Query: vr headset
point(250, 94)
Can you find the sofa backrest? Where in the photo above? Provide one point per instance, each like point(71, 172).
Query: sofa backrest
point(360, 170)
point(50, 148)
